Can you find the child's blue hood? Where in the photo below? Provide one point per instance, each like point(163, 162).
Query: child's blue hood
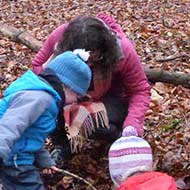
point(30, 81)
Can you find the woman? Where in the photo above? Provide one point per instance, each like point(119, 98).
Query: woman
point(119, 94)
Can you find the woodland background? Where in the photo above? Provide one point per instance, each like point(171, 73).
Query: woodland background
point(160, 31)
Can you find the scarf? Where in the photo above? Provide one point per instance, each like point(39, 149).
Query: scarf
point(83, 118)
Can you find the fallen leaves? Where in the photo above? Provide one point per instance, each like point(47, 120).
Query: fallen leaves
point(168, 118)
point(66, 182)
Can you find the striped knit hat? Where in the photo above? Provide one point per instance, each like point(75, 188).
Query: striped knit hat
point(128, 155)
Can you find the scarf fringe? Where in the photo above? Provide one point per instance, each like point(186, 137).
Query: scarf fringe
point(91, 122)
point(76, 143)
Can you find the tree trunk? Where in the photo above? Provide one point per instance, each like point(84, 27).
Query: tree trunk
point(153, 74)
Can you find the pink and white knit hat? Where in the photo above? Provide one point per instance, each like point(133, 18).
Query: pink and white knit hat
point(128, 155)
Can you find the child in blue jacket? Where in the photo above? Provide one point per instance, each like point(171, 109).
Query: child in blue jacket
point(28, 114)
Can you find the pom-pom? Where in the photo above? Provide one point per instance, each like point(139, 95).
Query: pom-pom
point(129, 131)
point(84, 55)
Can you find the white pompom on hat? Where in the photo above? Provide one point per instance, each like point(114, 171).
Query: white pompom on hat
point(84, 55)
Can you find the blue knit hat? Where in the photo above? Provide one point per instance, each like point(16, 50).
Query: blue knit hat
point(72, 70)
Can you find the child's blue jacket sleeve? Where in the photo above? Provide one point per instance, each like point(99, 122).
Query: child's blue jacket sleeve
point(23, 110)
point(43, 159)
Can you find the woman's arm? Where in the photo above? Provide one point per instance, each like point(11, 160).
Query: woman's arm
point(131, 82)
point(136, 87)
point(47, 49)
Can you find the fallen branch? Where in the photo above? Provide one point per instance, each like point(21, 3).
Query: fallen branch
point(172, 57)
point(164, 13)
point(154, 75)
point(20, 36)
point(65, 172)
point(160, 75)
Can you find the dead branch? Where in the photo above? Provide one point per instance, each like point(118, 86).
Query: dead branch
point(172, 57)
point(153, 74)
point(20, 36)
point(164, 13)
point(160, 75)
point(65, 172)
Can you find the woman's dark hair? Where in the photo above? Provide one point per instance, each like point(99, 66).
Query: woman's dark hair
point(91, 34)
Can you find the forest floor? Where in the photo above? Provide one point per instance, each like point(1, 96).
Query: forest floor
point(159, 30)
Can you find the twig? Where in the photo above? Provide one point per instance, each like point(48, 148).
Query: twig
point(78, 177)
point(171, 57)
point(186, 118)
point(164, 13)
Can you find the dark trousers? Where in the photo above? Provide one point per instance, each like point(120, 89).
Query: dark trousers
point(117, 111)
point(24, 177)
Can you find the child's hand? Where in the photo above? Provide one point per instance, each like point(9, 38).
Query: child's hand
point(51, 170)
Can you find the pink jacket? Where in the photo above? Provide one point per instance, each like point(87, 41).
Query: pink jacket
point(129, 81)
